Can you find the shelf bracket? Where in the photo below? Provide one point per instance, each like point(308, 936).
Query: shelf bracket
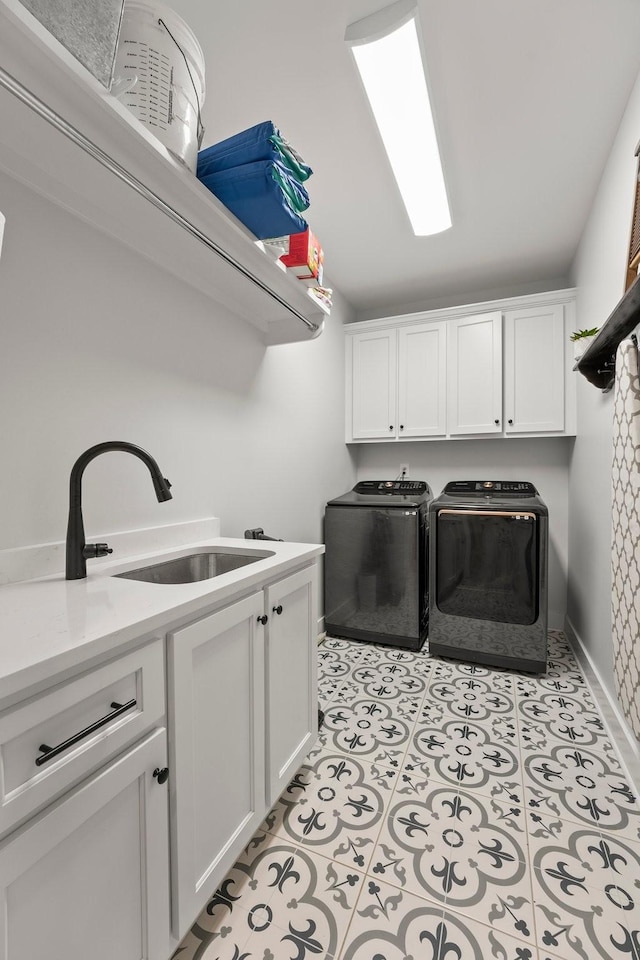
point(598, 363)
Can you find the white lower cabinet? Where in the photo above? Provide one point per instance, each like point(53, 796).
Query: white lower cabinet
point(114, 830)
point(242, 716)
point(292, 711)
point(216, 717)
point(89, 876)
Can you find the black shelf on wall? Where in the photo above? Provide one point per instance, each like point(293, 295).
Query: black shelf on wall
point(598, 363)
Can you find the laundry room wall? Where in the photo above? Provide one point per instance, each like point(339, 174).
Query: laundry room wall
point(599, 274)
point(544, 462)
point(99, 344)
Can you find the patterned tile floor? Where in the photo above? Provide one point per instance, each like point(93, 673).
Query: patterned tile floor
point(447, 812)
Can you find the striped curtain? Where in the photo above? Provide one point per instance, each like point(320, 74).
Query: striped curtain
point(626, 533)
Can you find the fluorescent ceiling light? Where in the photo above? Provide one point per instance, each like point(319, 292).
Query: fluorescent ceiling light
point(387, 52)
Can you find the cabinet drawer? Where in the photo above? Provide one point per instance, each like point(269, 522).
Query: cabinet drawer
point(53, 740)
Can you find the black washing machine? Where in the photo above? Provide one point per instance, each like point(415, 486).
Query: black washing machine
point(376, 563)
point(488, 574)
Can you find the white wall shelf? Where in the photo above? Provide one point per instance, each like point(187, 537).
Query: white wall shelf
point(63, 135)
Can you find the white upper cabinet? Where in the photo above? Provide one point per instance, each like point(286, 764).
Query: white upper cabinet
point(422, 398)
point(534, 370)
point(502, 371)
point(373, 385)
point(474, 373)
point(396, 383)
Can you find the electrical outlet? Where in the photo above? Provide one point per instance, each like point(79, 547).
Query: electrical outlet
point(404, 470)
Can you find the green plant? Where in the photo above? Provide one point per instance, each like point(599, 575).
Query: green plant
point(580, 334)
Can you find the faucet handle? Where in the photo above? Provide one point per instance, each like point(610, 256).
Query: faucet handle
point(92, 550)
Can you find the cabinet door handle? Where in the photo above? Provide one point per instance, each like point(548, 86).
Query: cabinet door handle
point(278, 609)
point(161, 775)
point(48, 753)
point(390, 426)
point(402, 426)
point(510, 421)
point(263, 619)
point(496, 422)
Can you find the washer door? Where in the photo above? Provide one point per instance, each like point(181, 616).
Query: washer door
point(487, 565)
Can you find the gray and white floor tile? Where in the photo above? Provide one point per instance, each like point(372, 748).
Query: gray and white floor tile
point(448, 811)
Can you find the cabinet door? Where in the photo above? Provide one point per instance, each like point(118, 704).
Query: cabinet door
point(475, 374)
point(373, 385)
point(534, 371)
point(292, 696)
point(89, 877)
point(422, 396)
point(216, 749)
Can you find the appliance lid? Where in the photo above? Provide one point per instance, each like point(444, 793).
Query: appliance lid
point(386, 493)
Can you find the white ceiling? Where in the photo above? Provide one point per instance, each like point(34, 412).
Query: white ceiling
point(528, 97)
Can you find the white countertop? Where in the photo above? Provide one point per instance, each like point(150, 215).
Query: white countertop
point(51, 625)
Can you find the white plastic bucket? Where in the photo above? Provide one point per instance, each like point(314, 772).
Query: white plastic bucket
point(159, 76)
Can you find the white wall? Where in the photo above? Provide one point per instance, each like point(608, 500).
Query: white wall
point(599, 273)
point(543, 462)
point(98, 344)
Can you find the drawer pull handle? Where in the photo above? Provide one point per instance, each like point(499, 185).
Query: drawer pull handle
point(48, 753)
point(161, 775)
point(278, 609)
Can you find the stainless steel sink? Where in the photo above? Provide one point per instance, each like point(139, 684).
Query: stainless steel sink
point(197, 566)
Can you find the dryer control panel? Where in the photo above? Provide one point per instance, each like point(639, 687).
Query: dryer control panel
point(484, 488)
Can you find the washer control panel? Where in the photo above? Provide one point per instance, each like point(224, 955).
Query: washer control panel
point(397, 487)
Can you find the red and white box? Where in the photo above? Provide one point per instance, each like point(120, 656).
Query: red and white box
point(304, 256)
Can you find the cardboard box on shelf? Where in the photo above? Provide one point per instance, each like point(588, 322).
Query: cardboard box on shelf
point(303, 256)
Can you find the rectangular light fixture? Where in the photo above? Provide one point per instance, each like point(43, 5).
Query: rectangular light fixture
point(386, 48)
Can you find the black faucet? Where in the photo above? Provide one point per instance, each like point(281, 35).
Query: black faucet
point(78, 552)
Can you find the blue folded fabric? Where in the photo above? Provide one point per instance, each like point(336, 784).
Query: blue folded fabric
point(260, 195)
point(260, 142)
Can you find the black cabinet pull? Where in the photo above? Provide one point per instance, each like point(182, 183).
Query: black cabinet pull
point(496, 421)
point(390, 426)
point(510, 421)
point(402, 426)
point(48, 753)
point(263, 619)
point(278, 609)
point(161, 775)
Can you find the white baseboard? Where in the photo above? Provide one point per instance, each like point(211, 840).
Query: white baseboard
point(627, 746)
